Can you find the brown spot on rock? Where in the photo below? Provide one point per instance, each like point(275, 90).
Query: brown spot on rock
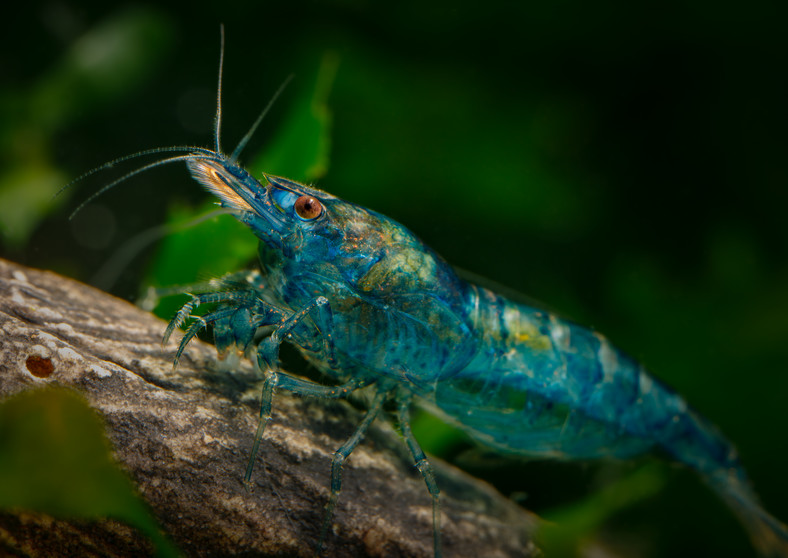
point(40, 367)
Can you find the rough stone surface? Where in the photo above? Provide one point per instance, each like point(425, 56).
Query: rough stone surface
point(184, 437)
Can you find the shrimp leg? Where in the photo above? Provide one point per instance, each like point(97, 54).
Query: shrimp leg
point(339, 459)
point(234, 324)
point(307, 388)
point(267, 360)
point(424, 467)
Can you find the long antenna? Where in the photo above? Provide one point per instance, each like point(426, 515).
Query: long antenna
point(217, 124)
point(135, 172)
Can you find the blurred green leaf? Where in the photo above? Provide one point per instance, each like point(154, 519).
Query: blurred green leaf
point(209, 249)
point(568, 527)
point(434, 435)
point(55, 459)
point(26, 197)
point(300, 150)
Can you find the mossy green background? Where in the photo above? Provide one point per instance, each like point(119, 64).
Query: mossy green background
point(623, 163)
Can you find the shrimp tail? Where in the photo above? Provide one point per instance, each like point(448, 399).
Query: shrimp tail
point(768, 534)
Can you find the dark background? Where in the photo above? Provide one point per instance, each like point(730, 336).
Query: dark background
point(624, 164)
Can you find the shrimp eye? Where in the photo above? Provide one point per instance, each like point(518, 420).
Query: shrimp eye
point(308, 208)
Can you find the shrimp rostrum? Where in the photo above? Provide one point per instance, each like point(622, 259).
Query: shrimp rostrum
point(371, 306)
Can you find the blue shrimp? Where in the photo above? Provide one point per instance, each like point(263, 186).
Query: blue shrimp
point(371, 306)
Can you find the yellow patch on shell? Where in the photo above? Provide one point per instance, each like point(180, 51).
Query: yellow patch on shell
point(524, 330)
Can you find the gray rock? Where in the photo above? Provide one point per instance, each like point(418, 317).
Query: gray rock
point(184, 437)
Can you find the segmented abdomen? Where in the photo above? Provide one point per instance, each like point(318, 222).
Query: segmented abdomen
point(545, 386)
